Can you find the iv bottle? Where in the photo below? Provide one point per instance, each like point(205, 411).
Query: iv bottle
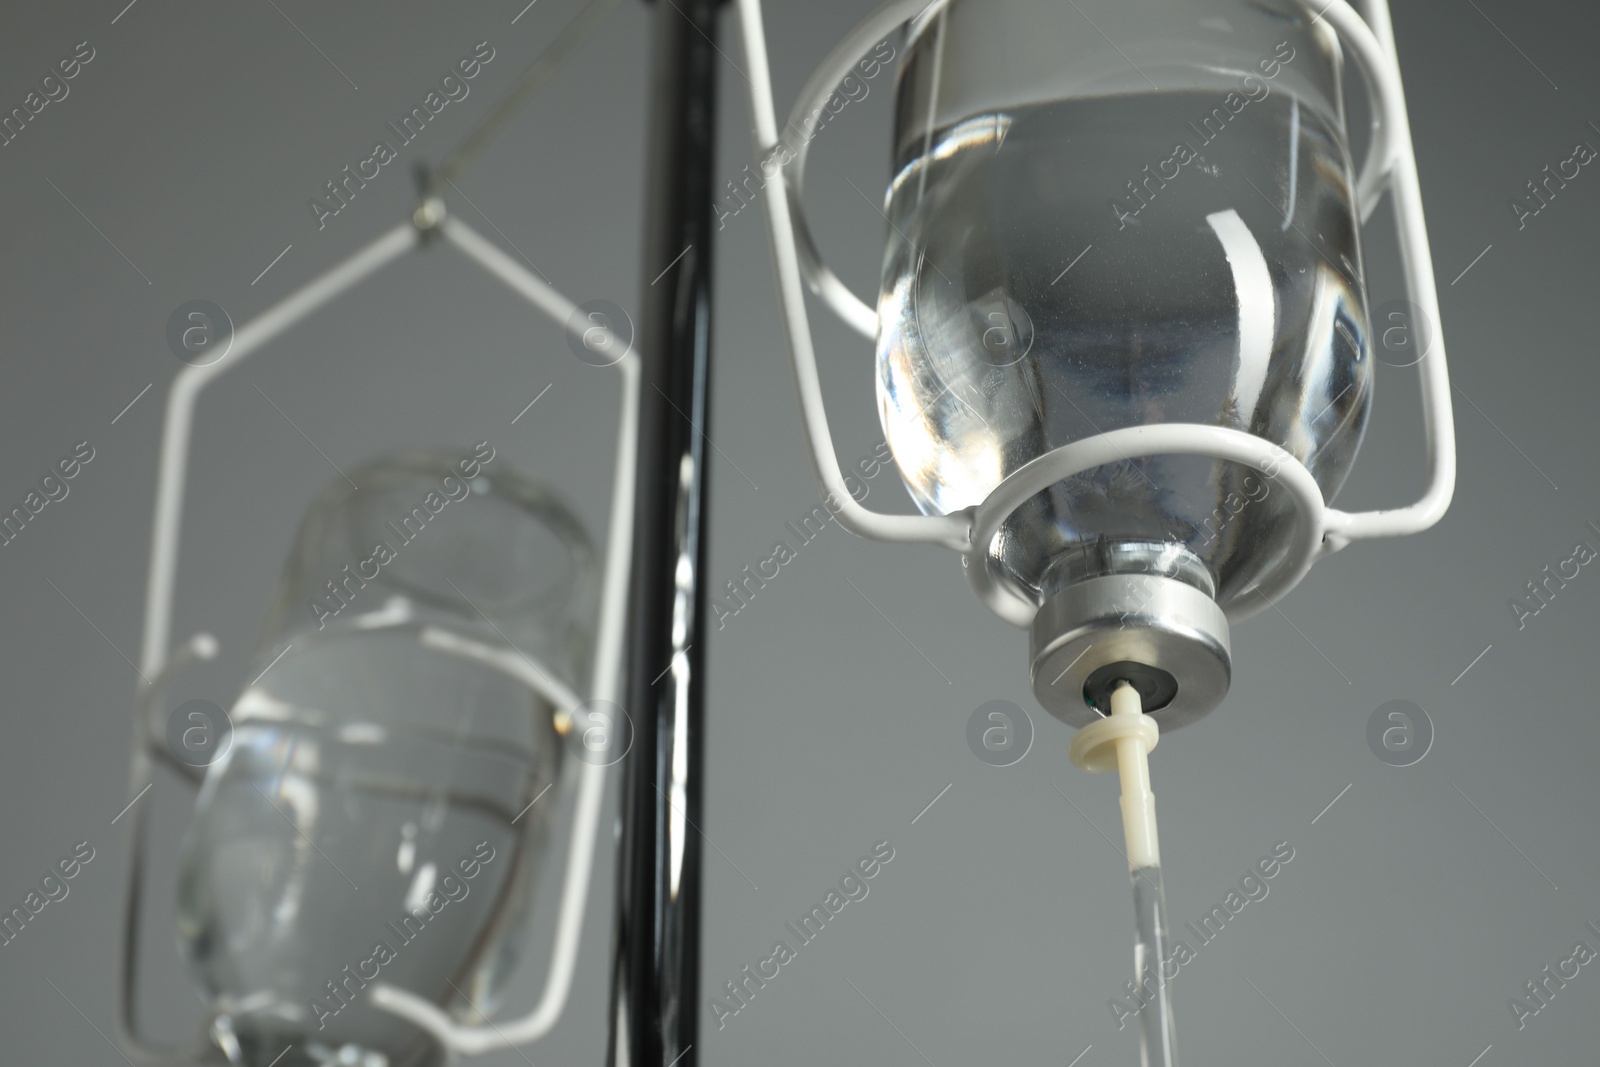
point(1115, 213)
point(372, 821)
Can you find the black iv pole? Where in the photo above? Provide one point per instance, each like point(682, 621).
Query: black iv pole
point(656, 956)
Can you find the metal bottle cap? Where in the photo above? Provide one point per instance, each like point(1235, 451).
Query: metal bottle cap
point(1169, 639)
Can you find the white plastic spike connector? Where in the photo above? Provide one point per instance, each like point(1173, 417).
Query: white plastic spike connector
point(1123, 740)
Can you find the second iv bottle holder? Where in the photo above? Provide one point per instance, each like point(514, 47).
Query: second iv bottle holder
point(573, 710)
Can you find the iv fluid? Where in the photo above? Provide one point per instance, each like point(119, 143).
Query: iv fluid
point(335, 813)
point(1215, 277)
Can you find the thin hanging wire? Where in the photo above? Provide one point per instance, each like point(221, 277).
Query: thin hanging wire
point(522, 90)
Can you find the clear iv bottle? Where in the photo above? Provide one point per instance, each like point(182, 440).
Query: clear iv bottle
point(1114, 213)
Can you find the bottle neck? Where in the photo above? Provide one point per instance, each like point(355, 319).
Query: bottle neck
point(1105, 557)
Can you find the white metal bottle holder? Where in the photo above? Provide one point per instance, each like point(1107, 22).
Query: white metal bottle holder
point(160, 667)
point(1391, 165)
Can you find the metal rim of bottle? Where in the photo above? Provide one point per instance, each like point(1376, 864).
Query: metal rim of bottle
point(1133, 621)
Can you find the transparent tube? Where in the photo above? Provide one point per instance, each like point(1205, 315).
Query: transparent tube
point(1157, 1041)
point(1122, 742)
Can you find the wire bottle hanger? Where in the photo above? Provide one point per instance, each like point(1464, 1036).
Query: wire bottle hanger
point(160, 663)
point(1390, 167)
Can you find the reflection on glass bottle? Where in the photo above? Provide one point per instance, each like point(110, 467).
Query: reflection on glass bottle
point(372, 821)
point(1173, 240)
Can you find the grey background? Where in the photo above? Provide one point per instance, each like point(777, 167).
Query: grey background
point(1415, 905)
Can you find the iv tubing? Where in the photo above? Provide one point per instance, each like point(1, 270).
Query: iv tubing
point(1123, 740)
